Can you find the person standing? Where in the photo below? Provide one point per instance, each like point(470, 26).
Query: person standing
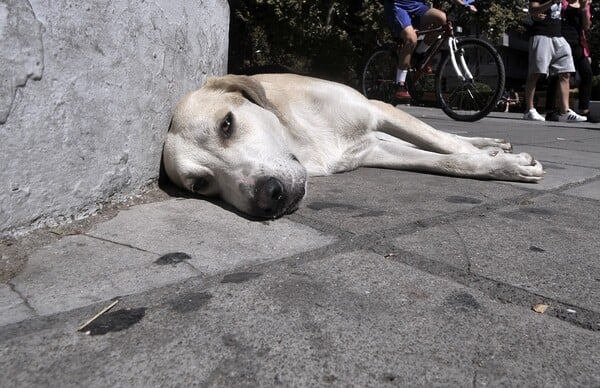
point(576, 21)
point(549, 53)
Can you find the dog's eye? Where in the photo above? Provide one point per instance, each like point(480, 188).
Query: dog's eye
point(227, 125)
point(200, 185)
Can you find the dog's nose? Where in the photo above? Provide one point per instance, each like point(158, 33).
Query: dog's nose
point(270, 197)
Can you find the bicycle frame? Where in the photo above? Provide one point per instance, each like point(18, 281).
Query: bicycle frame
point(467, 76)
point(447, 35)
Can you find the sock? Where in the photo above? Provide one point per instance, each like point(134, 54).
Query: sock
point(401, 76)
point(423, 47)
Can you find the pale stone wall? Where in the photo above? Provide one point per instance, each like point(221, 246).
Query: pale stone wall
point(86, 93)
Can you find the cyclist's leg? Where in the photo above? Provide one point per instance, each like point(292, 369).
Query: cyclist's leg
point(409, 37)
point(432, 18)
point(400, 22)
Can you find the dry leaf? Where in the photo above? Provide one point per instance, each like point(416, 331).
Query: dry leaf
point(540, 308)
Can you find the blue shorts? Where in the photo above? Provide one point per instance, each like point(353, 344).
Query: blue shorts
point(400, 14)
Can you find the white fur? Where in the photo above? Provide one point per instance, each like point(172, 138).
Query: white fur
point(326, 126)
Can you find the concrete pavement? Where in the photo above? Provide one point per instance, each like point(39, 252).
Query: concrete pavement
point(381, 278)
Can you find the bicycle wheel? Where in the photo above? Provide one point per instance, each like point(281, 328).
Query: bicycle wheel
point(470, 99)
point(379, 75)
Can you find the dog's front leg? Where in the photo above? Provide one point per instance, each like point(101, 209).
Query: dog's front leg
point(490, 164)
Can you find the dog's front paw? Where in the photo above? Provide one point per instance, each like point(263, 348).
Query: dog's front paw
point(529, 169)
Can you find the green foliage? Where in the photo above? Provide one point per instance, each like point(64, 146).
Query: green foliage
point(332, 39)
point(497, 17)
point(493, 18)
point(324, 38)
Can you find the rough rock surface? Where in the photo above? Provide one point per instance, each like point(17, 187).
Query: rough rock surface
point(86, 93)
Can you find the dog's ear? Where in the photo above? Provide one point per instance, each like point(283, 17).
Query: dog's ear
point(248, 87)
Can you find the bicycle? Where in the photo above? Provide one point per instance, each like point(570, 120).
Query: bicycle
point(468, 82)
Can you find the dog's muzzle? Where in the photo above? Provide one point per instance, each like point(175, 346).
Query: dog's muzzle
point(272, 199)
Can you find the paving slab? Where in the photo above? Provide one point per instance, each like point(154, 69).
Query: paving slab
point(567, 157)
point(557, 174)
point(215, 238)
point(587, 144)
point(77, 271)
point(13, 308)
point(353, 319)
point(590, 190)
point(541, 246)
point(510, 126)
point(368, 199)
point(537, 134)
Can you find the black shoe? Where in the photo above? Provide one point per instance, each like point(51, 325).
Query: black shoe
point(552, 116)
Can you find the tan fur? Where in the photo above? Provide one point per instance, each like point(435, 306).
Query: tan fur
point(286, 127)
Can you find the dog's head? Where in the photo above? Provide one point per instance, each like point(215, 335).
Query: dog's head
point(228, 140)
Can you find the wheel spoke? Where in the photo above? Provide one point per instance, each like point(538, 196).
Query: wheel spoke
point(474, 98)
point(379, 76)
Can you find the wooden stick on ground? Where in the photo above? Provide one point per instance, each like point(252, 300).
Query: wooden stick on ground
point(98, 315)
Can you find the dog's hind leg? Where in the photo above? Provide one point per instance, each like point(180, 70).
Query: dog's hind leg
point(408, 128)
point(490, 164)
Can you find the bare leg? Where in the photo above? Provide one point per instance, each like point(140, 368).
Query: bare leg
point(409, 37)
point(563, 90)
point(530, 90)
point(432, 18)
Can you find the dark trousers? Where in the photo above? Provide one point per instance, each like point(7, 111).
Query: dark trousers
point(583, 67)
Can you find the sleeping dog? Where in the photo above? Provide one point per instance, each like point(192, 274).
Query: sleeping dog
point(253, 141)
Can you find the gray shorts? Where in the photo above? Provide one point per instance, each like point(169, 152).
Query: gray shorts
point(550, 55)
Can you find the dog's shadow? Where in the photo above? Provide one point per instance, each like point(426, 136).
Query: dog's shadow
point(166, 185)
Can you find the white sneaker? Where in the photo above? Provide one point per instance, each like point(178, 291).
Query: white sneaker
point(533, 114)
point(571, 116)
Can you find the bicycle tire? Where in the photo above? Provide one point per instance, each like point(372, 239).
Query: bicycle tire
point(470, 100)
point(379, 75)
